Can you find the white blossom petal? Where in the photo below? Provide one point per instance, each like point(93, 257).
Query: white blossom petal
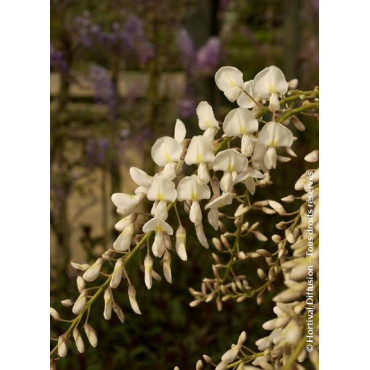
point(190, 188)
point(162, 189)
point(270, 81)
point(165, 150)
point(199, 151)
point(275, 134)
point(230, 81)
point(240, 121)
point(206, 117)
point(180, 131)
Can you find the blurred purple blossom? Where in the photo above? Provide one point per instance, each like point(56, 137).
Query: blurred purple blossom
point(96, 151)
point(186, 107)
point(208, 56)
point(122, 38)
point(204, 60)
point(57, 60)
point(104, 90)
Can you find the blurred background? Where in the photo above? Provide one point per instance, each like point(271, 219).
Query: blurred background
point(121, 72)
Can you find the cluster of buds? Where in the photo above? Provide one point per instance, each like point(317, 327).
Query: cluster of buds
point(228, 161)
point(294, 332)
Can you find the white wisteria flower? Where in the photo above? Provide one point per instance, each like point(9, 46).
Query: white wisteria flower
point(274, 135)
point(241, 122)
point(230, 81)
point(206, 119)
point(231, 162)
point(213, 215)
point(160, 227)
point(270, 83)
point(200, 152)
point(166, 152)
point(249, 178)
point(142, 179)
point(162, 188)
point(191, 189)
point(126, 203)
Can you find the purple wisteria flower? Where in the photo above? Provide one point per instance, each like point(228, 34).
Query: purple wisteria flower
point(104, 90)
point(208, 56)
point(57, 60)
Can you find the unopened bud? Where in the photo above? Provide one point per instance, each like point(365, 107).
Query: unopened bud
point(91, 335)
point(78, 340)
point(80, 303)
point(62, 347)
point(132, 299)
point(93, 271)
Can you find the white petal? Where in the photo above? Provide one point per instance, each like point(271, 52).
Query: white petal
point(274, 103)
point(157, 225)
point(140, 177)
point(190, 188)
point(240, 121)
point(162, 189)
point(159, 245)
point(201, 236)
point(180, 131)
point(230, 160)
point(203, 174)
point(270, 158)
point(213, 216)
point(245, 99)
point(126, 203)
point(167, 267)
point(206, 116)
point(93, 271)
point(258, 157)
point(226, 183)
point(270, 81)
point(275, 134)
point(247, 145)
point(230, 81)
point(195, 214)
point(165, 150)
point(123, 241)
point(199, 151)
point(221, 201)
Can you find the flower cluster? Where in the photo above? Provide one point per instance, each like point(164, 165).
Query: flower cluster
point(224, 164)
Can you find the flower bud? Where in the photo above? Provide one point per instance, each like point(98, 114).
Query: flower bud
point(108, 303)
point(167, 266)
point(132, 299)
point(78, 340)
point(148, 270)
point(117, 309)
point(277, 207)
point(123, 242)
point(242, 338)
point(80, 267)
point(292, 84)
point(288, 199)
point(80, 303)
point(117, 274)
point(199, 365)
point(80, 284)
point(62, 347)
point(67, 302)
point(312, 157)
point(181, 242)
point(91, 335)
point(126, 221)
point(93, 271)
point(54, 314)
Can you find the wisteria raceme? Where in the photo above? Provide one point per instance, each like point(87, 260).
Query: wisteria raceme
point(225, 164)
